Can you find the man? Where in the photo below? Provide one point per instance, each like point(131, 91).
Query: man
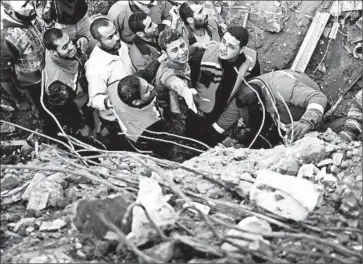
point(121, 11)
point(71, 17)
point(22, 50)
point(142, 121)
point(280, 106)
point(144, 48)
point(214, 74)
point(173, 76)
point(197, 27)
point(353, 126)
point(109, 62)
point(66, 86)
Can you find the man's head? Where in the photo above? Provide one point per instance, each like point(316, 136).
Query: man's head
point(141, 25)
point(193, 15)
point(172, 43)
point(233, 43)
point(106, 34)
point(21, 9)
point(135, 91)
point(59, 44)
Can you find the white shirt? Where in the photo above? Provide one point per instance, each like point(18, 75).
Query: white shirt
point(102, 69)
point(206, 39)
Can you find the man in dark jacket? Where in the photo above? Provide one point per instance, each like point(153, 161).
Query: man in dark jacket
point(22, 50)
point(71, 17)
point(66, 87)
point(214, 75)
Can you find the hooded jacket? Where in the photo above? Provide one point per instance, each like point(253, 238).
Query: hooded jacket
point(22, 50)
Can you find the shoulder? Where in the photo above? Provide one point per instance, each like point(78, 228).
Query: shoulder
point(117, 10)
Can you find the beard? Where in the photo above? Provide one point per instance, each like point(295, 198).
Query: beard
point(25, 18)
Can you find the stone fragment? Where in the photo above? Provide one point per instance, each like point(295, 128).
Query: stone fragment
point(334, 169)
point(349, 154)
point(310, 149)
point(286, 196)
point(10, 181)
point(307, 171)
point(357, 152)
point(245, 185)
point(37, 201)
point(87, 221)
point(230, 178)
point(337, 159)
point(151, 197)
point(41, 184)
point(324, 163)
point(204, 186)
point(215, 193)
point(25, 222)
point(53, 225)
point(163, 251)
point(29, 229)
point(252, 224)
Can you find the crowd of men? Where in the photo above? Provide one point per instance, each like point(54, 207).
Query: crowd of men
point(158, 77)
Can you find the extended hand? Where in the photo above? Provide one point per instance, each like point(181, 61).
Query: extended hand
point(82, 44)
point(300, 129)
point(85, 131)
point(188, 95)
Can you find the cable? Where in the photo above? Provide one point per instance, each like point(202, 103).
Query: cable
point(263, 110)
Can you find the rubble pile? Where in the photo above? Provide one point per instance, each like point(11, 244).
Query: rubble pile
point(228, 205)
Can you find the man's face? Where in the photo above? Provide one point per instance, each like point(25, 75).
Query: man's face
point(147, 92)
point(200, 18)
point(229, 47)
point(65, 47)
point(24, 10)
point(110, 39)
point(151, 29)
point(177, 51)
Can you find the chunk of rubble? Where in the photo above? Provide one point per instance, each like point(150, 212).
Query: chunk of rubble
point(163, 251)
point(252, 240)
point(324, 163)
point(337, 159)
point(53, 225)
point(308, 171)
point(151, 197)
point(230, 178)
point(10, 181)
point(286, 196)
point(24, 223)
point(87, 221)
point(244, 187)
point(43, 191)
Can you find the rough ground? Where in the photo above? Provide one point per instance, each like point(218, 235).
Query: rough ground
point(22, 241)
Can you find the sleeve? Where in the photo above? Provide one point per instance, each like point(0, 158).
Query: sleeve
point(353, 123)
point(228, 118)
point(64, 108)
point(97, 90)
point(150, 71)
point(8, 56)
point(256, 71)
point(310, 99)
point(168, 79)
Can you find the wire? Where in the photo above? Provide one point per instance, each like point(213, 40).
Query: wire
point(263, 110)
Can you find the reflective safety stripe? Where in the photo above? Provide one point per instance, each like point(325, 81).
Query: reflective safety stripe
point(316, 106)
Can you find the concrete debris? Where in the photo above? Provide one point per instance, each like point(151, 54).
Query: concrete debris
point(230, 178)
point(337, 159)
point(151, 197)
point(42, 185)
point(284, 195)
point(204, 187)
point(308, 171)
point(87, 221)
point(354, 34)
point(24, 223)
point(6, 129)
point(251, 241)
point(203, 208)
point(163, 251)
point(343, 6)
point(329, 181)
point(324, 163)
point(245, 185)
point(51, 257)
point(53, 225)
point(10, 181)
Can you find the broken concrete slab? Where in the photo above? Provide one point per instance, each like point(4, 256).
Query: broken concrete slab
point(286, 196)
point(253, 224)
point(10, 181)
point(311, 40)
point(324, 163)
point(150, 195)
point(230, 178)
point(86, 220)
point(40, 185)
point(339, 7)
point(53, 225)
point(24, 223)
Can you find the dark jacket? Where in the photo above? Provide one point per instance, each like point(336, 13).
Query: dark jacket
point(67, 12)
point(225, 81)
point(22, 51)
